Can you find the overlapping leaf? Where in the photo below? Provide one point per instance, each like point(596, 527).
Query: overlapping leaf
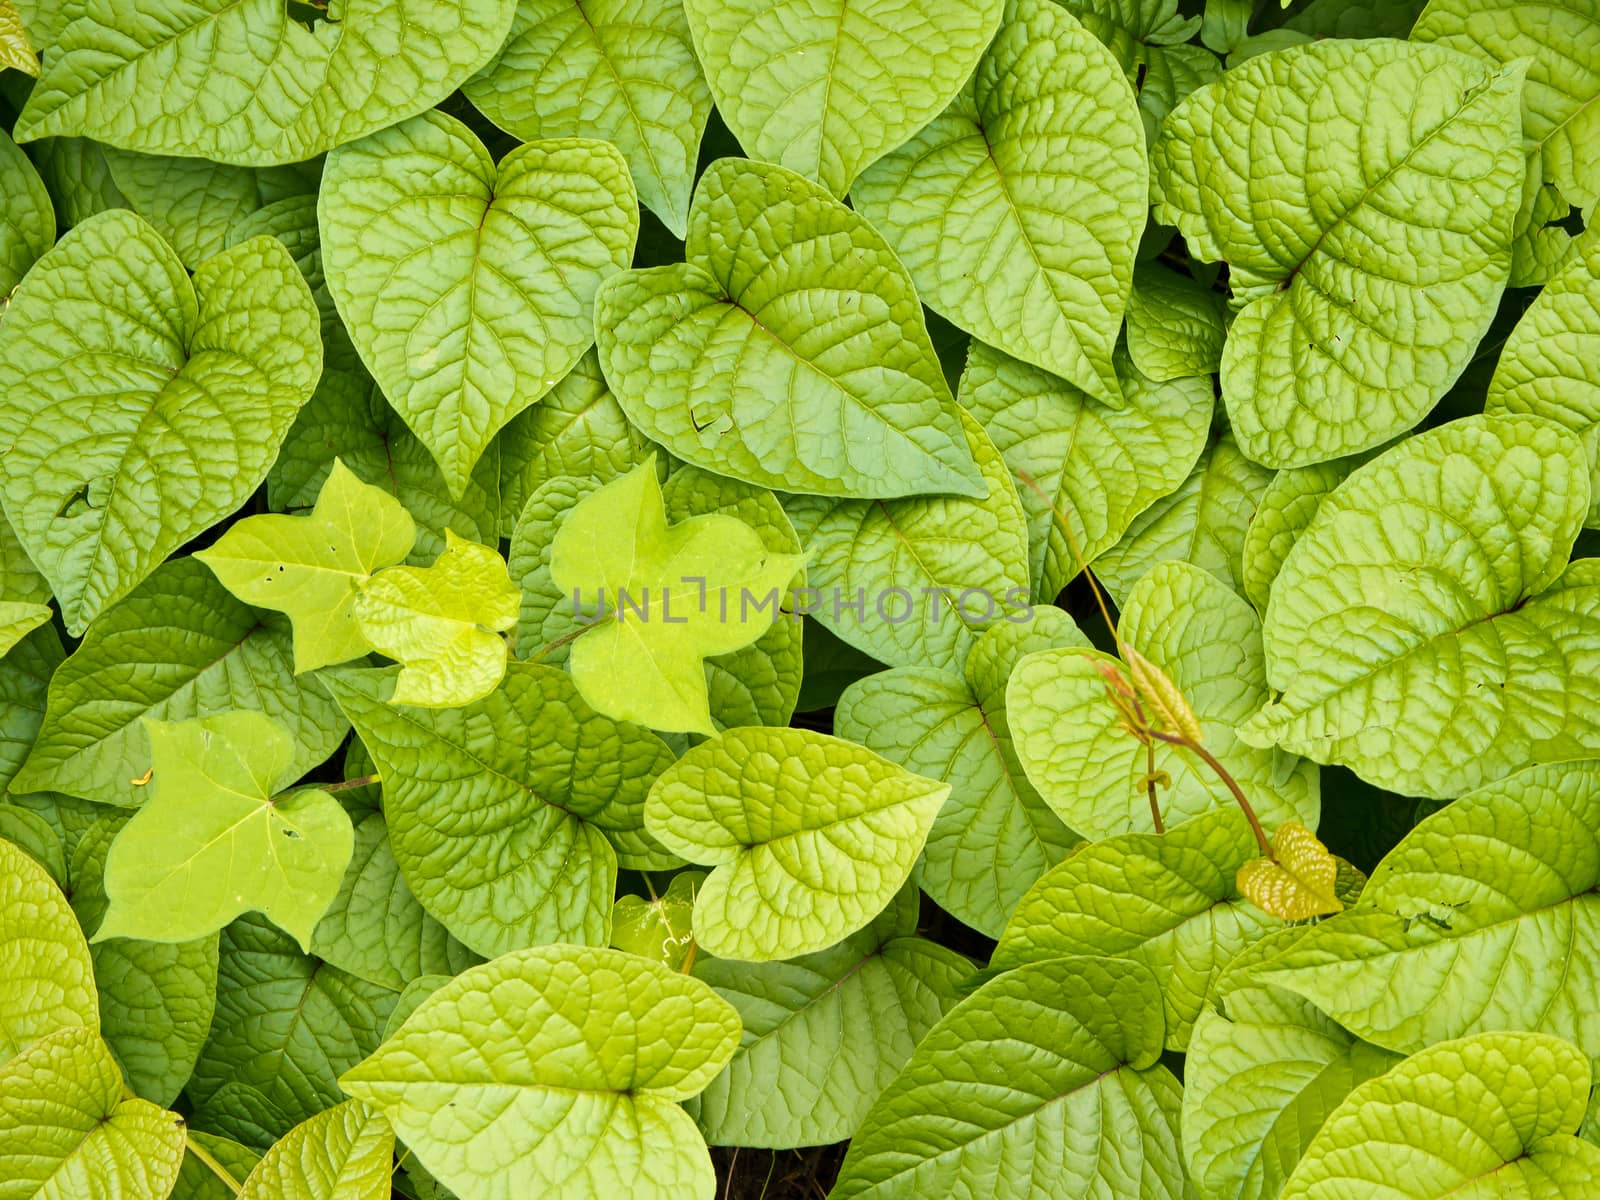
point(345, 1153)
point(28, 220)
point(46, 976)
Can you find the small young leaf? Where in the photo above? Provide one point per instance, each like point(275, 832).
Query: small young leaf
point(1300, 881)
point(661, 929)
point(442, 623)
point(212, 841)
point(672, 595)
point(811, 837)
point(46, 976)
point(312, 568)
point(346, 1153)
point(1175, 325)
point(16, 50)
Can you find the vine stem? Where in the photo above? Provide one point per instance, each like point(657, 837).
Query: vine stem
point(216, 1168)
point(1150, 786)
point(1221, 772)
point(350, 785)
point(561, 641)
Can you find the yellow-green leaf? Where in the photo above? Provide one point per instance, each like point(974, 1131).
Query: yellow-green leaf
point(1303, 882)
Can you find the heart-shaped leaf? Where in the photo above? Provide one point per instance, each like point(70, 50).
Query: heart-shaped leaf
point(46, 976)
point(1299, 881)
point(346, 1153)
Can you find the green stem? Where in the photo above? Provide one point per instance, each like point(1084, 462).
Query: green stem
point(1150, 785)
point(350, 785)
point(560, 641)
point(217, 1169)
point(1221, 772)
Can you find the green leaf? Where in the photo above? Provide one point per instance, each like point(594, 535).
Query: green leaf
point(66, 1131)
point(826, 1033)
point(811, 837)
point(214, 839)
point(20, 581)
point(662, 928)
point(1174, 325)
point(286, 1028)
point(789, 303)
point(1147, 37)
point(346, 1153)
point(1091, 770)
point(1486, 1115)
point(1044, 1083)
point(156, 998)
point(556, 1070)
point(1483, 917)
point(442, 623)
point(1264, 1070)
point(920, 595)
point(611, 69)
point(311, 568)
point(1000, 237)
point(499, 812)
point(1204, 522)
point(28, 222)
point(1452, 549)
point(824, 87)
point(1546, 367)
point(199, 1182)
point(994, 836)
point(616, 546)
point(24, 677)
point(1343, 338)
point(191, 202)
point(1099, 467)
point(1286, 506)
point(467, 286)
point(16, 49)
point(1166, 902)
point(180, 646)
point(141, 407)
point(30, 832)
point(17, 620)
point(46, 977)
point(247, 83)
point(1357, 18)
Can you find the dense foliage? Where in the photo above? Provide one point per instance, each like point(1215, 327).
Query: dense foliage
point(673, 598)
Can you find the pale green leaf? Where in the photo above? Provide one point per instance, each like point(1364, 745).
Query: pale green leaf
point(1174, 325)
point(1548, 364)
point(142, 407)
point(788, 351)
point(613, 69)
point(180, 646)
point(1001, 231)
point(811, 837)
point(18, 620)
point(499, 813)
point(468, 286)
point(1099, 467)
point(16, 48)
point(214, 839)
point(442, 623)
point(661, 928)
point(826, 1033)
point(824, 87)
point(994, 836)
point(926, 574)
point(556, 1071)
point(1166, 902)
point(1072, 742)
point(312, 567)
point(27, 221)
point(659, 599)
point(75, 171)
point(1044, 1084)
point(1286, 506)
point(191, 202)
point(1481, 644)
point(1344, 337)
point(1491, 1115)
point(66, 1133)
point(1485, 916)
point(244, 81)
point(46, 977)
point(346, 1153)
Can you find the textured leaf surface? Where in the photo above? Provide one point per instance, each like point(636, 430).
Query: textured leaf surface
point(468, 286)
point(1089, 768)
point(1001, 232)
point(1100, 467)
point(28, 221)
point(1299, 881)
point(1483, 917)
point(612, 69)
point(311, 567)
point(556, 1070)
point(789, 350)
point(1174, 325)
point(442, 623)
point(824, 87)
point(825, 1033)
point(24, 678)
point(142, 407)
point(811, 837)
point(191, 202)
point(243, 81)
point(1452, 549)
point(215, 840)
point(929, 573)
point(661, 928)
point(1498, 1106)
point(199, 1182)
point(994, 836)
point(499, 812)
point(1018, 1089)
point(179, 647)
point(644, 663)
point(1286, 507)
point(1342, 340)
point(346, 1153)
point(1166, 902)
point(17, 620)
point(48, 979)
point(16, 50)
point(66, 1132)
